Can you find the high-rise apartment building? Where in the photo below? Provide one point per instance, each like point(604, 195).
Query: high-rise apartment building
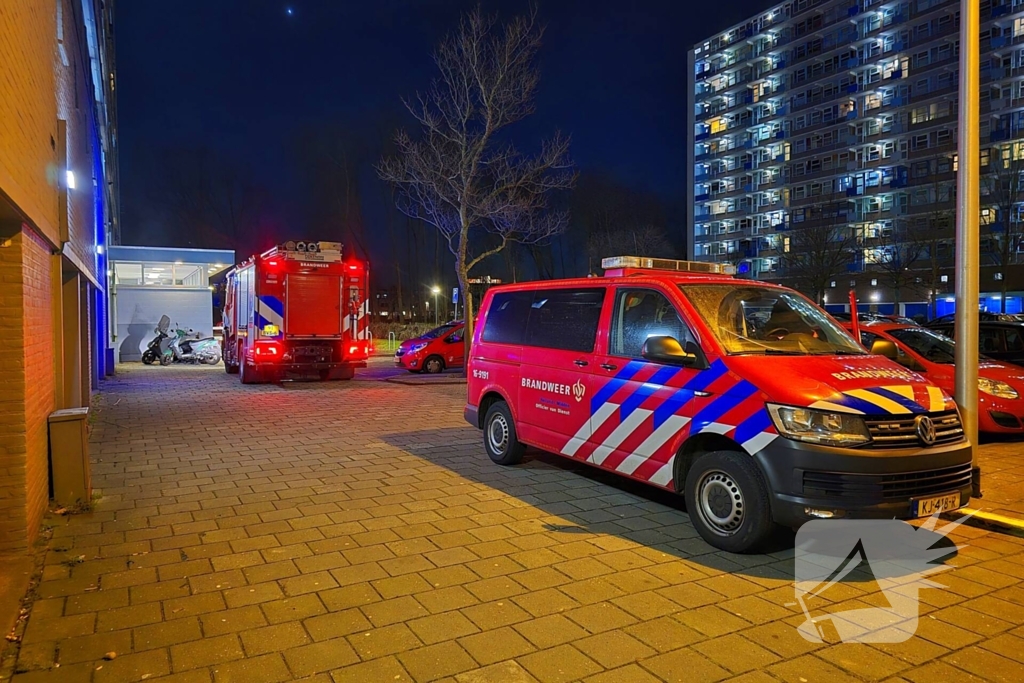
point(824, 147)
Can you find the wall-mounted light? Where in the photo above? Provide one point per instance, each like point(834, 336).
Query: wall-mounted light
point(99, 248)
point(874, 296)
point(69, 177)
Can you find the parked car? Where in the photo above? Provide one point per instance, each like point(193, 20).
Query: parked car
point(744, 397)
point(1001, 340)
point(1000, 386)
point(870, 317)
point(440, 349)
point(983, 316)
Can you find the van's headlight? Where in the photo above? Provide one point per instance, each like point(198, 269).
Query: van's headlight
point(819, 426)
point(994, 387)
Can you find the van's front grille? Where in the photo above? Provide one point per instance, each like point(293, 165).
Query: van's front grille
point(886, 487)
point(901, 432)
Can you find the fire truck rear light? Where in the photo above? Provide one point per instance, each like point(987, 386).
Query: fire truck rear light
point(353, 349)
point(264, 349)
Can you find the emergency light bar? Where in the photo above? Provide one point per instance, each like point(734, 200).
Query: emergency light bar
point(616, 262)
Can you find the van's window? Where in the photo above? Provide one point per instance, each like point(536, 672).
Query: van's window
point(643, 313)
point(506, 318)
point(763, 320)
point(564, 319)
point(931, 345)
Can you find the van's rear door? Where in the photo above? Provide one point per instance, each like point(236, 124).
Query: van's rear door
point(313, 305)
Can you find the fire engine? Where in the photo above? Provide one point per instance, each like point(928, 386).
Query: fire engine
point(299, 309)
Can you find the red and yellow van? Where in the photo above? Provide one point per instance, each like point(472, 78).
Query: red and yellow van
point(745, 397)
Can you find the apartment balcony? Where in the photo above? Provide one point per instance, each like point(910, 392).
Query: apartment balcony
point(808, 153)
point(934, 94)
point(914, 14)
point(942, 121)
point(932, 151)
point(931, 208)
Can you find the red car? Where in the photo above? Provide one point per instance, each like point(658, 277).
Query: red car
point(1000, 386)
point(440, 349)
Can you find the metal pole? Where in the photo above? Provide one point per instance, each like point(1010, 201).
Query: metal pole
point(968, 197)
point(435, 309)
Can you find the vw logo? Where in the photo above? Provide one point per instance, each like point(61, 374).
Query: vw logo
point(926, 430)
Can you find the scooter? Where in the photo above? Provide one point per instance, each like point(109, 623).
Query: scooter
point(159, 344)
point(189, 347)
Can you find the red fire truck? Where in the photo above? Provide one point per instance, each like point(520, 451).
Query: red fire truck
point(299, 309)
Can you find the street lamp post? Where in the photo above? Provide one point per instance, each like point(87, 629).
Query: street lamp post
point(967, 230)
point(435, 291)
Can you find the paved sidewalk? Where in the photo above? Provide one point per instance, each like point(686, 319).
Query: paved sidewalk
point(1002, 479)
point(356, 531)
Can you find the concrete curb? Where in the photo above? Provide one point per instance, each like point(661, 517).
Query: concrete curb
point(987, 520)
point(424, 381)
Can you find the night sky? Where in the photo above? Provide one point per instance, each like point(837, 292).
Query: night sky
point(244, 78)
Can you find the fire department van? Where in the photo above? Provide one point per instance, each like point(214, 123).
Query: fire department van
point(299, 309)
point(745, 397)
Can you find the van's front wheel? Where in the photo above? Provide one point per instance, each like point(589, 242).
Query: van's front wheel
point(728, 501)
point(500, 439)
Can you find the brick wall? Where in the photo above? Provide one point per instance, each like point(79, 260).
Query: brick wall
point(28, 112)
point(38, 363)
point(26, 387)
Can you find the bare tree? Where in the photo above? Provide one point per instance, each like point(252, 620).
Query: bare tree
point(642, 240)
point(460, 175)
point(1003, 190)
point(898, 256)
point(820, 251)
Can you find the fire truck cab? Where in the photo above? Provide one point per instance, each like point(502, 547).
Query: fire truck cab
point(297, 310)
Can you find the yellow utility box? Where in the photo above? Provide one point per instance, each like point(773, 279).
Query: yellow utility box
point(69, 456)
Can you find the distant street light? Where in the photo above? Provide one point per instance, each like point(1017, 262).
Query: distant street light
point(435, 291)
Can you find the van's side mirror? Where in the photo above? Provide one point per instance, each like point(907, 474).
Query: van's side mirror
point(669, 351)
point(884, 347)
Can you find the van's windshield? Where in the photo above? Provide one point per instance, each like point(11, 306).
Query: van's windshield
point(763, 320)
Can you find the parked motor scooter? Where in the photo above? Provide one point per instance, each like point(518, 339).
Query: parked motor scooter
point(159, 344)
point(189, 347)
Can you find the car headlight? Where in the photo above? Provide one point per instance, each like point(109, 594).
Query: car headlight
point(819, 426)
point(994, 387)
point(417, 347)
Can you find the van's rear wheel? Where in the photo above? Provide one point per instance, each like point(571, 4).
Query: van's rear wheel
point(728, 501)
point(500, 439)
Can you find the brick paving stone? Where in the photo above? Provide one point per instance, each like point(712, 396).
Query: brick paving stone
point(736, 653)
point(89, 648)
point(550, 631)
point(383, 669)
point(206, 652)
point(599, 617)
point(559, 664)
point(291, 609)
point(494, 646)
point(614, 649)
point(502, 672)
point(684, 666)
point(387, 640)
point(264, 669)
point(810, 669)
point(276, 638)
point(631, 673)
point(394, 611)
point(986, 664)
point(307, 660)
point(166, 633)
point(863, 661)
point(433, 662)
point(134, 667)
point(444, 626)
